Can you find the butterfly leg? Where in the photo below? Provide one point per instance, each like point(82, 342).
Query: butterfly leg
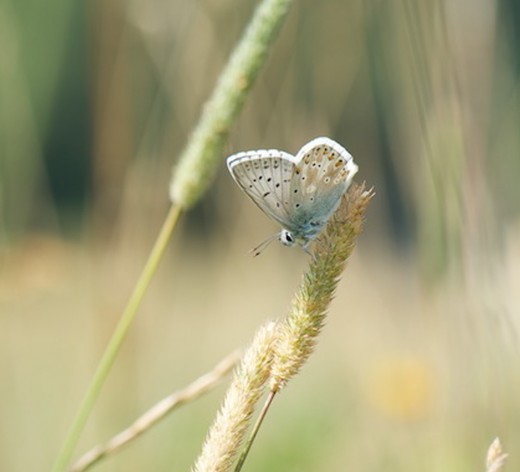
point(305, 247)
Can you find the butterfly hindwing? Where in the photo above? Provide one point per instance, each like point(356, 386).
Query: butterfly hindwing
point(323, 172)
point(265, 176)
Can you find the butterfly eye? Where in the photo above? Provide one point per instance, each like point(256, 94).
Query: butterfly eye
point(286, 238)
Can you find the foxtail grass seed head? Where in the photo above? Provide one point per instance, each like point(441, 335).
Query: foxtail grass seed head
point(227, 432)
point(495, 458)
point(200, 158)
point(297, 334)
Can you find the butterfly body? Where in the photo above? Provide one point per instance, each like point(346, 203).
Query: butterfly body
point(299, 192)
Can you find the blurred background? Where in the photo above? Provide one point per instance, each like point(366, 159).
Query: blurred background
point(418, 366)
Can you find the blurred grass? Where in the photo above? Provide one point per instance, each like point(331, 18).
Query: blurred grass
point(100, 100)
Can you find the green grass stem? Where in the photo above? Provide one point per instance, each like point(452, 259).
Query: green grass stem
point(117, 339)
point(200, 158)
point(193, 176)
point(254, 432)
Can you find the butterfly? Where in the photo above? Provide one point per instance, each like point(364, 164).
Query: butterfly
point(299, 192)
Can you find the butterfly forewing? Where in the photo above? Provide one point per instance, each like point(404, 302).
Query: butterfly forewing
point(265, 176)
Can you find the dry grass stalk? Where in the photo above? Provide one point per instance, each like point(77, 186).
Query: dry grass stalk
point(495, 458)
point(197, 388)
point(280, 349)
point(297, 334)
point(227, 432)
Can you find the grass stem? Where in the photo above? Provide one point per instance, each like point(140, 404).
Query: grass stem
point(156, 413)
point(254, 432)
point(117, 339)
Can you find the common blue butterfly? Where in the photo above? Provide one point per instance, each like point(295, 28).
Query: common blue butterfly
point(299, 192)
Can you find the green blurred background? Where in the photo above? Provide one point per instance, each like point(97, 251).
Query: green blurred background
point(418, 367)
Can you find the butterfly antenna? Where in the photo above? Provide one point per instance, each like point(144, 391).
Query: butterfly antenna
point(258, 249)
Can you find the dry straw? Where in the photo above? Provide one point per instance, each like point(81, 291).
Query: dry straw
point(228, 430)
point(279, 351)
point(158, 412)
point(298, 333)
point(495, 458)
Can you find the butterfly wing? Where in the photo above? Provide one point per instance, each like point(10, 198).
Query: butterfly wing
point(323, 172)
point(265, 177)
